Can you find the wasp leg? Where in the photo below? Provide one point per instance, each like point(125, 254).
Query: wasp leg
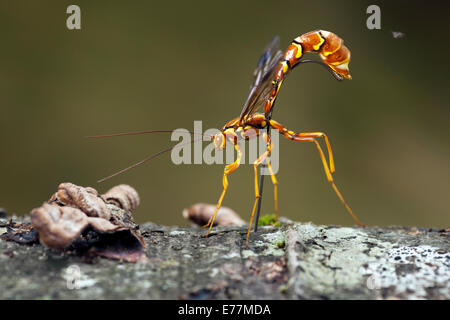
point(257, 162)
point(327, 142)
point(272, 175)
point(328, 174)
point(228, 169)
point(275, 189)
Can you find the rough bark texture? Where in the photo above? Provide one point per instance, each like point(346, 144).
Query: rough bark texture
point(295, 261)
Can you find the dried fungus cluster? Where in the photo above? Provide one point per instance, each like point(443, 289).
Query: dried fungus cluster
point(78, 218)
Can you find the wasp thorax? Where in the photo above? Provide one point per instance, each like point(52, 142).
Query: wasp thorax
point(219, 141)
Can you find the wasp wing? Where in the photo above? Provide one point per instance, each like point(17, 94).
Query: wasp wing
point(262, 77)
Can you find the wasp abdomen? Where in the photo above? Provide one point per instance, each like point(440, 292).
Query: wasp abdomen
point(329, 46)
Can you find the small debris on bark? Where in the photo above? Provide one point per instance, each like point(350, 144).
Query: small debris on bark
point(3, 213)
point(200, 214)
point(22, 233)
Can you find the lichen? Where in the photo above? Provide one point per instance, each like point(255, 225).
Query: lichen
point(411, 271)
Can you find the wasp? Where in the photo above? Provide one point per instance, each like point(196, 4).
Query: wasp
point(272, 69)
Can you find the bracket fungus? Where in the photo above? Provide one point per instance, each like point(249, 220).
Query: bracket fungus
point(79, 219)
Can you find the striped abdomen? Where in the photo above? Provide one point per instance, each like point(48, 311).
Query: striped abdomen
point(328, 45)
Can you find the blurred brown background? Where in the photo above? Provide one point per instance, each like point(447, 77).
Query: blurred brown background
point(154, 65)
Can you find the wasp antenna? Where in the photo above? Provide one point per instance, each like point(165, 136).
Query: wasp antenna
point(141, 132)
point(145, 160)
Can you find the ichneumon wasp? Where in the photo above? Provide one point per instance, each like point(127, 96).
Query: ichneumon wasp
point(272, 69)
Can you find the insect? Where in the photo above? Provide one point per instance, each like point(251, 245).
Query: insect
point(272, 69)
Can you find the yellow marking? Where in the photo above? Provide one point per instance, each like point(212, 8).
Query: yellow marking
point(291, 132)
point(340, 62)
point(285, 66)
point(322, 40)
point(263, 123)
point(326, 54)
point(279, 85)
point(299, 50)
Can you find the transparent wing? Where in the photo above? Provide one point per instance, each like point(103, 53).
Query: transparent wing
point(262, 77)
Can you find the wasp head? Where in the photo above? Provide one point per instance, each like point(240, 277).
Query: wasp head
point(219, 140)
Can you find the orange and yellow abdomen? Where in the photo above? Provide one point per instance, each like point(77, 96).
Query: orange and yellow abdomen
point(330, 48)
point(328, 45)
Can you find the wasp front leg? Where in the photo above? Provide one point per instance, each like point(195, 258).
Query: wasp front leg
point(228, 169)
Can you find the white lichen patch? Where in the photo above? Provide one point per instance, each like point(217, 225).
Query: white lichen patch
point(232, 255)
point(269, 246)
point(248, 253)
point(177, 233)
point(322, 259)
point(411, 271)
point(274, 237)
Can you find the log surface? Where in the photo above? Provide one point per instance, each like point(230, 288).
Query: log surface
point(295, 261)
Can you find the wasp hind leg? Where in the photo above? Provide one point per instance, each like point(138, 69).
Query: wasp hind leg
point(303, 138)
point(327, 142)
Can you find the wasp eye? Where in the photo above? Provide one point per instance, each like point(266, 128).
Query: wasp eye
point(218, 141)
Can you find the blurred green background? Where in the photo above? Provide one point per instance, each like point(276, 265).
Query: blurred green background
point(140, 65)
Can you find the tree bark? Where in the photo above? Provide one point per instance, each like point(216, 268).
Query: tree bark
point(295, 261)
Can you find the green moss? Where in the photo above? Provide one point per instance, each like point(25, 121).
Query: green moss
point(268, 220)
point(284, 289)
point(281, 244)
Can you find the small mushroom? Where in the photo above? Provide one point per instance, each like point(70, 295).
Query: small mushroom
point(200, 214)
point(123, 196)
point(86, 199)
